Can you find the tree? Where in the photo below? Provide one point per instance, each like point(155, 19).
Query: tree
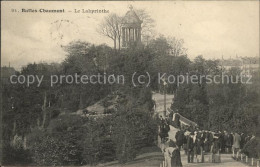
point(111, 28)
point(233, 106)
point(176, 47)
point(166, 61)
point(160, 46)
point(148, 25)
point(193, 100)
point(132, 125)
point(148, 22)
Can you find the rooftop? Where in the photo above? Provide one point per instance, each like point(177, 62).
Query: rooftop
point(131, 17)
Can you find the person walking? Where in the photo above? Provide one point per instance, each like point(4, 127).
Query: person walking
point(236, 144)
point(180, 138)
point(166, 154)
point(196, 149)
point(215, 149)
point(243, 140)
point(164, 129)
point(186, 136)
point(190, 148)
point(206, 145)
point(174, 153)
point(221, 141)
point(199, 149)
point(211, 139)
point(228, 142)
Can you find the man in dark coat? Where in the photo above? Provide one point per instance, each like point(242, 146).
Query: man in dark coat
point(176, 122)
point(176, 158)
point(221, 141)
point(206, 145)
point(215, 157)
point(203, 135)
point(179, 136)
point(211, 138)
point(228, 141)
point(185, 140)
point(236, 144)
point(164, 129)
point(199, 148)
point(175, 155)
point(190, 148)
point(243, 140)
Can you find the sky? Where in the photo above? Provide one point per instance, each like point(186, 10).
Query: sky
point(208, 28)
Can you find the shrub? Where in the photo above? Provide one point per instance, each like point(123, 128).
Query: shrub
point(61, 144)
point(15, 156)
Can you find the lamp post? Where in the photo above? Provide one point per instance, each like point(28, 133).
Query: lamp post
point(164, 86)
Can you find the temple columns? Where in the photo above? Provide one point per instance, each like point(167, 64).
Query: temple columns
point(123, 37)
point(130, 35)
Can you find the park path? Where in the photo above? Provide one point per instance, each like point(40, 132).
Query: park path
point(159, 99)
point(226, 159)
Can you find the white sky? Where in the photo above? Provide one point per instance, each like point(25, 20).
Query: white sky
point(209, 28)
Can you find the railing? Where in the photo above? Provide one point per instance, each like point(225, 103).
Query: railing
point(246, 160)
point(240, 157)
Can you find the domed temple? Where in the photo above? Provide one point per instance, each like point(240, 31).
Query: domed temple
point(131, 29)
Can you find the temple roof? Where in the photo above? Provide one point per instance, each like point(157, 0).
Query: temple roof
point(131, 17)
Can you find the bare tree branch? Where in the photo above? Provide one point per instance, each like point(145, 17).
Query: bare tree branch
point(111, 27)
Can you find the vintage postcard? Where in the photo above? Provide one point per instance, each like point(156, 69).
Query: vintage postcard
point(130, 83)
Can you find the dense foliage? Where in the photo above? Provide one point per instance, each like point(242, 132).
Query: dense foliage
point(51, 133)
point(220, 106)
point(46, 120)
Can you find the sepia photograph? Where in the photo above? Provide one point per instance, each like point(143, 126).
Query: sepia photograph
point(130, 83)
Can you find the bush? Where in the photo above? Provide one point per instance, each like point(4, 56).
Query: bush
point(72, 140)
point(97, 144)
point(75, 140)
point(15, 156)
point(61, 144)
point(252, 148)
point(132, 131)
point(46, 152)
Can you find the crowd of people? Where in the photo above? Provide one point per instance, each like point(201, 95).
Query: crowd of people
point(196, 143)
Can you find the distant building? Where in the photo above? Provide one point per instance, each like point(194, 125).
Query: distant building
point(248, 65)
point(6, 72)
point(131, 29)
